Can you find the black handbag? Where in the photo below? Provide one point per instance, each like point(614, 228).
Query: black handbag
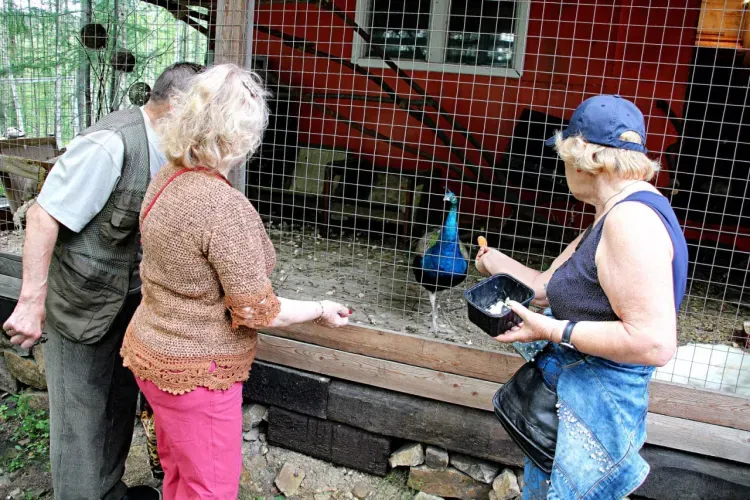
point(526, 407)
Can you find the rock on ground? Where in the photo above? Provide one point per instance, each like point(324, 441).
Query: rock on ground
point(289, 479)
point(137, 467)
point(252, 448)
point(436, 457)
point(37, 400)
point(426, 496)
point(8, 382)
point(252, 416)
point(25, 370)
point(519, 477)
point(505, 486)
point(252, 435)
point(480, 470)
point(409, 455)
point(447, 482)
point(38, 354)
point(361, 490)
point(322, 479)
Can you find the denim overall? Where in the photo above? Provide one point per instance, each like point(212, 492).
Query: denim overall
point(602, 405)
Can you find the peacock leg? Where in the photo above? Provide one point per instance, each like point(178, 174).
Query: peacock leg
point(433, 303)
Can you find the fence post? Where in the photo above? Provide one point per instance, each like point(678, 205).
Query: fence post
point(234, 23)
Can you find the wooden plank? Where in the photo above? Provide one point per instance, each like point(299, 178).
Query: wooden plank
point(701, 405)
point(674, 400)
point(39, 148)
point(22, 167)
point(411, 418)
point(697, 437)
point(10, 287)
point(720, 23)
point(413, 350)
point(399, 377)
point(681, 434)
point(11, 265)
point(232, 21)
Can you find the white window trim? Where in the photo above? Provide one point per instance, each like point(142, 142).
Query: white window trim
point(439, 16)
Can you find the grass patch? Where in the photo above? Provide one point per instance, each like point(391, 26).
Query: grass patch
point(26, 433)
point(394, 486)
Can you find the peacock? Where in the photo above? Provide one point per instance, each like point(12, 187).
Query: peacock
point(441, 261)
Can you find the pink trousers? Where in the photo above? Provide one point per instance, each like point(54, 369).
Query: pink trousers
point(199, 438)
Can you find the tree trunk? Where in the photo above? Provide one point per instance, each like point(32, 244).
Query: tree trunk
point(58, 80)
point(5, 43)
point(114, 81)
point(84, 75)
point(177, 43)
point(183, 46)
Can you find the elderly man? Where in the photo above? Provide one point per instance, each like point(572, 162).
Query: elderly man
point(80, 273)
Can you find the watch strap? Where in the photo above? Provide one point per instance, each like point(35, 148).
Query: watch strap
point(567, 333)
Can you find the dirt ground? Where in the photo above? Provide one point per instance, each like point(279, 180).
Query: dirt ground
point(374, 278)
point(323, 481)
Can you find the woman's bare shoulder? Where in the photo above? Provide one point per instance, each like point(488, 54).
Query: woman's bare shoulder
point(635, 227)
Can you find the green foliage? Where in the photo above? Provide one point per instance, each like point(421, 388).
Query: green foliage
point(395, 486)
point(27, 430)
point(35, 52)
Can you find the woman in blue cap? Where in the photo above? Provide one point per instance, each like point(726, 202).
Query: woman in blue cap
point(612, 299)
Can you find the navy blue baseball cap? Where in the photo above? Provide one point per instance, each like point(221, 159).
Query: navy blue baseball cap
point(603, 119)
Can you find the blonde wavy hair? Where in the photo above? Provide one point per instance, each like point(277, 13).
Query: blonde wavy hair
point(218, 121)
point(596, 159)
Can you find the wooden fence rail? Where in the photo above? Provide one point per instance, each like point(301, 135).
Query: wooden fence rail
point(674, 400)
point(663, 430)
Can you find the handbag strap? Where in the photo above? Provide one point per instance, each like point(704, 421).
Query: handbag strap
point(176, 175)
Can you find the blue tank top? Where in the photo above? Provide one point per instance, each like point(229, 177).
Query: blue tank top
point(574, 292)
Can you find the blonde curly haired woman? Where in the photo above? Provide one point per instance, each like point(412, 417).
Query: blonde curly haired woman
point(612, 296)
point(206, 289)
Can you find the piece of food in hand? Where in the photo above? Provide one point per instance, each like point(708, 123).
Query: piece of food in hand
point(482, 241)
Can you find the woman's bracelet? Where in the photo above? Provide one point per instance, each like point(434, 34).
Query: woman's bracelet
point(322, 311)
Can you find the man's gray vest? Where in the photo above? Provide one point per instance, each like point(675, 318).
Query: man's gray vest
point(90, 272)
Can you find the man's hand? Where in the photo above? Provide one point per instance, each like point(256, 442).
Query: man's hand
point(24, 327)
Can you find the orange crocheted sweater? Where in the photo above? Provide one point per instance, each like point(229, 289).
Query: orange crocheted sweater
point(206, 288)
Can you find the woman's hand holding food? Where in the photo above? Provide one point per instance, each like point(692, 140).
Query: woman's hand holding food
point(488, 260)
point(333, 315)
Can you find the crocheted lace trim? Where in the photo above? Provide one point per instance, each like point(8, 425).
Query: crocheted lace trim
point(177, 375)
point(254, 311)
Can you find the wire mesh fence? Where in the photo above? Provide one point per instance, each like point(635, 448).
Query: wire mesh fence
point(380, 107)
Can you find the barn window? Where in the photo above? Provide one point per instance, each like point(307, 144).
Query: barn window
point(452, 36)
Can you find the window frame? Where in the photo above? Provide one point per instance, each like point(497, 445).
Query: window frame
point(439, 19)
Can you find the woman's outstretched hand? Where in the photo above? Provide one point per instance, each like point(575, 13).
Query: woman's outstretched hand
point(486, 257)
point(334, 315)
point(533, 326)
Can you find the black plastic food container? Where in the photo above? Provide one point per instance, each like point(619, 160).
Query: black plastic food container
point(487, 293)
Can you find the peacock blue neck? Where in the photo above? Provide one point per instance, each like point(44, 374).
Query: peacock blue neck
point(449, 232)
point(445, 254)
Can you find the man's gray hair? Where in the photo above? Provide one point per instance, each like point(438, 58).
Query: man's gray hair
point(175, 77)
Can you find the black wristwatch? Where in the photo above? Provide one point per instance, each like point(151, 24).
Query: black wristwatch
point(567, 332)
